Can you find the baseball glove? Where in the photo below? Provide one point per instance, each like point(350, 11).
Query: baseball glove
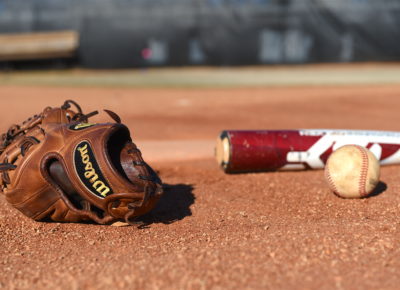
point(58, 166)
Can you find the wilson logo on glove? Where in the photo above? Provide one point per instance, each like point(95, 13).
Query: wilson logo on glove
point(89, 171)
point(80, 126)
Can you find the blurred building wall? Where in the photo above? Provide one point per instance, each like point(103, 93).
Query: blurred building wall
point(137, 33)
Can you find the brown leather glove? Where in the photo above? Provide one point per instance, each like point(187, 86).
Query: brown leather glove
point(58, 166)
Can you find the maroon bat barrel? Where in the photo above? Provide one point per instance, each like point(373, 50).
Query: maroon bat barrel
point(264, 150)
point(269, 150)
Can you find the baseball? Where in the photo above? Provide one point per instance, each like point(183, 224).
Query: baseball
point(352, 171)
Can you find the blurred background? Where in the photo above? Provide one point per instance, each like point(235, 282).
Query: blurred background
point(153, 33)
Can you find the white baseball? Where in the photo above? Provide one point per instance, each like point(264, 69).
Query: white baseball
point(352, 171)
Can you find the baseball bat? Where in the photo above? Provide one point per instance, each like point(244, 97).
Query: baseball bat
point(270, 150)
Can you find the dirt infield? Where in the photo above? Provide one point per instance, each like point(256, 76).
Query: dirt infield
point(277, 230)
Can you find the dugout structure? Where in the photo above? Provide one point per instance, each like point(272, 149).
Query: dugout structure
point(141, 33)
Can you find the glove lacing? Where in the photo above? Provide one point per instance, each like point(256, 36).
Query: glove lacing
point(17, 130)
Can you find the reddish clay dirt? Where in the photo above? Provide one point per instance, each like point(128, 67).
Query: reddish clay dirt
point(277, 230)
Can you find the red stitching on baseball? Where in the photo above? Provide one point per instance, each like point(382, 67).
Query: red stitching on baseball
point(364, 171)
point(330, 180)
